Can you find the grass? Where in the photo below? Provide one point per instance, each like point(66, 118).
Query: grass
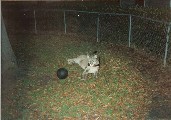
point(119, 92)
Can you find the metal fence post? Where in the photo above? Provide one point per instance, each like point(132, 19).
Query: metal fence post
point(35, 22)
point(97, 28)
point(130, 30)
point(167, 44)
point(120, 3)
point(144, 3)
point(64, 22)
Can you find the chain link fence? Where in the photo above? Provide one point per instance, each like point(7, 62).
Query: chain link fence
point(114, 28)
point(150, 35)
point(50, 21)
point(81, 23)
point(124, 29)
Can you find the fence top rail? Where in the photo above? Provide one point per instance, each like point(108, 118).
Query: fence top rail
point(101, 13)
point(151, 19)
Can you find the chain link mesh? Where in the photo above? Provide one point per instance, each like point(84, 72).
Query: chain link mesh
point(143, 33)
point(82, 24)
point(49, 21)
point(114, 28)
point(149, 35)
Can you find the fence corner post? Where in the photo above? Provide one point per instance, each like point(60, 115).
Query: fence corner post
point(65, 22)
point(167, 44)
point(35, 22)
point(97, 28)
point(130, 30)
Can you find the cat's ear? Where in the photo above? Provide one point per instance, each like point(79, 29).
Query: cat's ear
point(88, 56)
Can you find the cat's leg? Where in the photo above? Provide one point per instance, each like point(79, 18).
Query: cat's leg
point(84, 74)
point(95, 75)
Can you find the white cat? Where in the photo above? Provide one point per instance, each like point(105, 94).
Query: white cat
point(90, 64)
